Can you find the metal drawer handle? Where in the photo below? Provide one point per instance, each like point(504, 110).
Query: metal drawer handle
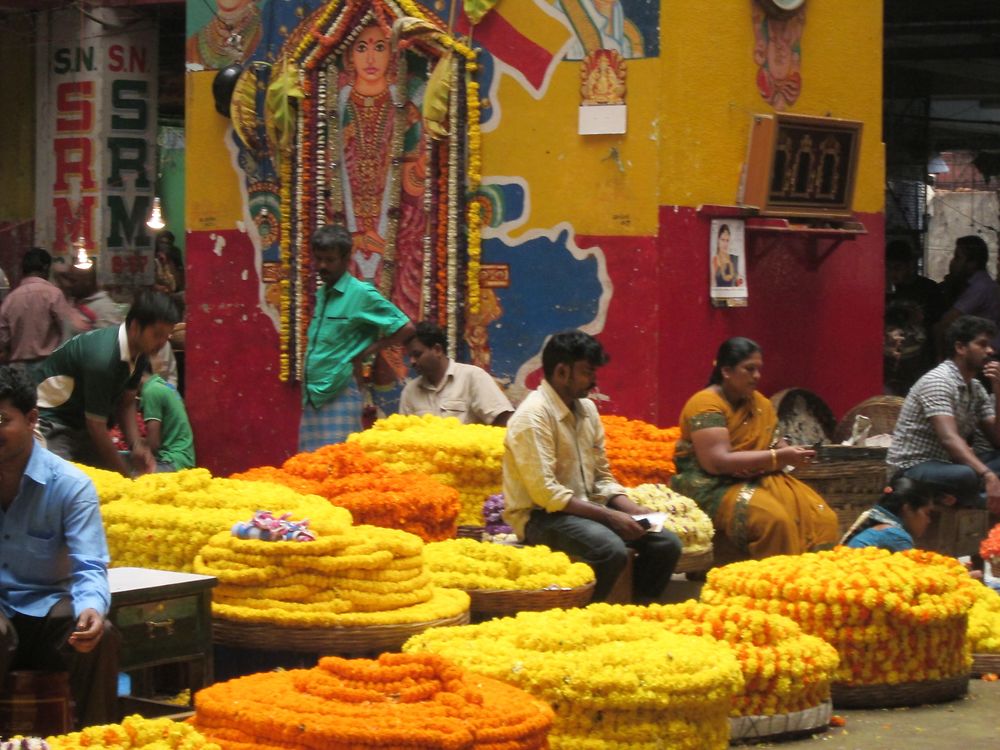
point(153, 628)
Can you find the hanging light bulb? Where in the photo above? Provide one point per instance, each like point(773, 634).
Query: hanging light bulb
point(156, 217)
point(83, 261)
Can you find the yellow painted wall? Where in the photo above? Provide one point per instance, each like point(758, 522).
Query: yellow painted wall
point(212, 186)
point(709, 92)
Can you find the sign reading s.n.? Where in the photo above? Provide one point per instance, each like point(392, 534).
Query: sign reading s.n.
point(99, 125)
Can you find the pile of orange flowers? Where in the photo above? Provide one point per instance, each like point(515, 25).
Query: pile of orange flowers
point(893, 618)
point(400, 700)
point(639, 452)
point(784, 670)
point(989, 548)
point(374, 493)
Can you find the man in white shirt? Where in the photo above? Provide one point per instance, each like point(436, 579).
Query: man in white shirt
point(447, 388)
point(557, 486)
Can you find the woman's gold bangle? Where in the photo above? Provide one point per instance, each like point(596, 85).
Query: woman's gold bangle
point(774, 460)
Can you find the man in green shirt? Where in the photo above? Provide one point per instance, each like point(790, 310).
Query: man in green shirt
point(351, 322)
point(95, 376)
point(168, 431)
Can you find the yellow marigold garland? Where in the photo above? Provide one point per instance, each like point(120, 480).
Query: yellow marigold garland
point(984, 620)
point(466, 457)
point(892, 617)
point(162, 520)
point(684, 517)
point(373, 492)
point(784, 670)
point(639, 452)
point(355, 577)
point(134, 733)
point(413, 701)
point(468, 564)
point(613, 679)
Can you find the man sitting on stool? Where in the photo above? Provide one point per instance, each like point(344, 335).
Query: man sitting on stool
point(947, 432)
point(54, 590)
point(557, 486)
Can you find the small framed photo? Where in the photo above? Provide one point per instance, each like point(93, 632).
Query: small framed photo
point(727, 263)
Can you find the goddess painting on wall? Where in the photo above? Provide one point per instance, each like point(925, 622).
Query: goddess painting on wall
point(370, 144)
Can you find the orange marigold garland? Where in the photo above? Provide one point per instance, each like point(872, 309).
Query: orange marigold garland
point(639, 452)
point(400, 700)
point(893, 618)
point(374, 493)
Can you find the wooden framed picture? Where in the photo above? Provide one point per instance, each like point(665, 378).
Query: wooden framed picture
point(800, 166)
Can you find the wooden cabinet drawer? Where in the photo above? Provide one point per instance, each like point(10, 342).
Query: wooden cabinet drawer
point(161, 630)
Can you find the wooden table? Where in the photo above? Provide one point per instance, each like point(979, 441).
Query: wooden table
point(164, 618)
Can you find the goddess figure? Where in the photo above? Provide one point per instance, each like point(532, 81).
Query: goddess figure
point(368, 122)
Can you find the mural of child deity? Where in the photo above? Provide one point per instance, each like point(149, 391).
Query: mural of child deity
point(778, 53)
point(368, 122)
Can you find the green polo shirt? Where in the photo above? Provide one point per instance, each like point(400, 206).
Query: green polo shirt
point(349, 316)
point(85, 377)
point(164, 404)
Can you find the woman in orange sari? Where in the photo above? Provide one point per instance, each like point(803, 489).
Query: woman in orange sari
point(733, 465)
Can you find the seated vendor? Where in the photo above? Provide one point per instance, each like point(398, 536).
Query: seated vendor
point(54, 591)
point(903, 514)
point(558, 487)
point(729, 463)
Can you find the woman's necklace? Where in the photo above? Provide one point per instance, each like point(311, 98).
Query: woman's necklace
point(371, 117)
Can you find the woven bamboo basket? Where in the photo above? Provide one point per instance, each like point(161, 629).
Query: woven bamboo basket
point(744, 729)
point(471, 532)
point(903, 694)
point(362, 641)
point(883, 411)
point(488, 603)
point(985, 664)
point(849, 478)
point(694, 562)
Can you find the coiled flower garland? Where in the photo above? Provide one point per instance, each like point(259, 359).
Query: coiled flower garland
point(684, 517)
point(412, 701)
point(613, 679)
point(639, 452)
point(893, 618)
point(468, 564)
point(134, 733)
point(984, 620)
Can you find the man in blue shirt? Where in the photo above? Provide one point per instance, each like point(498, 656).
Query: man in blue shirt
point(54, 590)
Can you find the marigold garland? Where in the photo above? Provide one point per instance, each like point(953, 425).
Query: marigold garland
point(374, 492)
point(784, 670)
point(893, 618)
point(613, 679)
point(684, 517)
point(466, 457)
point(135, 733)
point(162, 520)
point(468, 564)
point(412, 701)
point(640, 453)
point(984, 620)
point(989, 548)
point(351, 576)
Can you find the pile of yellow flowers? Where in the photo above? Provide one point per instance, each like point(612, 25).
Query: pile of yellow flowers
point(784, 670)
point(639, 452)
point(163, 520)
point(468, 564)
point(684, 517)
point(984, 620)
point(467, 457)
point(134, 733)
point(614, 680)
point(893, 618)
point(350, 576)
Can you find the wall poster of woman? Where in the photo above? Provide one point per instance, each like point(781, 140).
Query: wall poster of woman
point(386, 217)
point(727, 263)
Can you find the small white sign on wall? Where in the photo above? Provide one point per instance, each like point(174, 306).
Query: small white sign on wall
point(602, 119)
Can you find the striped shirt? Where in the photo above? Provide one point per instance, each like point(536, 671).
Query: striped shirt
point(941, 392)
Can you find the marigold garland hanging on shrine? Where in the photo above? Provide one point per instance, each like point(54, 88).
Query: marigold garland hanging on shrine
point(312, 172)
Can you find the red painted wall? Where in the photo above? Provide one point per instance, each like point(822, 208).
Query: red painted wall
point(815, 310)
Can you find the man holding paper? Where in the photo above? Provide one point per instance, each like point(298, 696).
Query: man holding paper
point(557, 486)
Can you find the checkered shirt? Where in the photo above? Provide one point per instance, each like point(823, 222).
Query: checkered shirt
point(941, 392)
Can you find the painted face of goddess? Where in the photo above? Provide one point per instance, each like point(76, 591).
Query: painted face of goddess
point(370, 57)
